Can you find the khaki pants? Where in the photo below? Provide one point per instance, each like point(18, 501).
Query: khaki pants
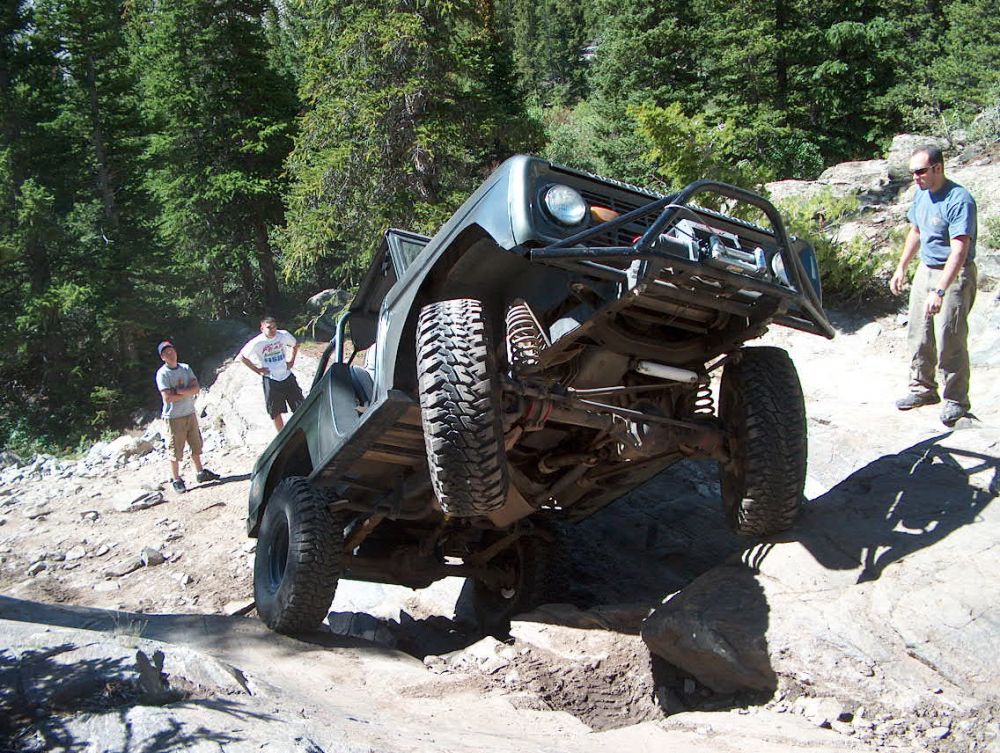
point(941, 341)
point(184, 430)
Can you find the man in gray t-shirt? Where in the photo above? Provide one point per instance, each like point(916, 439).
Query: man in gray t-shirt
point(178, 387)
point(943, 229)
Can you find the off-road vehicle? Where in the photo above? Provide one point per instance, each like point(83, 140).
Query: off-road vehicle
point(549, 349)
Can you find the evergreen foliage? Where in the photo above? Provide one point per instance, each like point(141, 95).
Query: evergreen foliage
point(551, 42)
point(965, 79)
point(220, 119)
point(164, 163)
point(408, 105)
point(853, 271)
point(72, 216)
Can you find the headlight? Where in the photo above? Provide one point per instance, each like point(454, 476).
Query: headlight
point(565, 205)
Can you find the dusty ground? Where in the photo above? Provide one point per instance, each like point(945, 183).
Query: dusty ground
point(200, 532)
point(65, 543)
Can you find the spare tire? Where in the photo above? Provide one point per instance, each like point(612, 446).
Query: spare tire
point(460, 408)
point(761, 405)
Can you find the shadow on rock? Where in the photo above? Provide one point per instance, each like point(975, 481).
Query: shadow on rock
point(417, 637)
point(206, 632)
point(715, 629)
point(651, 542)
point(895, 506)
point(44, 692)
point(224, 480)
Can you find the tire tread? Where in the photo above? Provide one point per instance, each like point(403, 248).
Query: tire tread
point(314, 559)
point(771, 408)
point(459, 395)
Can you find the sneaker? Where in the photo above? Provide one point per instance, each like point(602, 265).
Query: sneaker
point(917, 399)
point(178, 484)
point(951, 413)
point(206, 475)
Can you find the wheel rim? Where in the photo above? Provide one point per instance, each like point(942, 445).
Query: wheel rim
point(506, 593)
point(277, 558)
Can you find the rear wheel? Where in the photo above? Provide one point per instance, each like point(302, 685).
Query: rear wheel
point(298, 559)
point(761, 404)
point(459, 399)
point(534, 572)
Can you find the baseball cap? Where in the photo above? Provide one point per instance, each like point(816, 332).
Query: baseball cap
point(163, 346)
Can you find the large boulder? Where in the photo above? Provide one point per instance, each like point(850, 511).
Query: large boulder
point(903, 147)
point(867, 178)
point(329, 299)
point(871, 601)
point(983, 181)
point(715, 630)
point(782, 191)
point(125, 447)
point(234, 405)
point(327, 306)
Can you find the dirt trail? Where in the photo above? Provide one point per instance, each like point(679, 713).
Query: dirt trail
point(67, 556)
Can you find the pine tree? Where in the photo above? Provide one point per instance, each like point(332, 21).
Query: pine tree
point(646, 56)
point(552, 44)
point(966, 75)
point(221, 119)
point(409, 104)
point(71, 215)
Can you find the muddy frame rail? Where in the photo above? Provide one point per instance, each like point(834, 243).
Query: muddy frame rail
point(574, 252)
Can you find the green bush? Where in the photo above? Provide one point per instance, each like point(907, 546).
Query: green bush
point(991, 233)
point(852, 271)
point(30, 426)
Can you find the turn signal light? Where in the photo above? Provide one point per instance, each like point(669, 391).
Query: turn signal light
point(603, 214)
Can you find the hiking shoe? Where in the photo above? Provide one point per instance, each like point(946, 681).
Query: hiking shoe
point(178, 484)
point(206, 475)
point(951, 413)
point(917, 399)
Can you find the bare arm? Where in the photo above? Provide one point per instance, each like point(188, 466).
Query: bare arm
point(910, 248)
point(250, 365)
point(295, 352)
point(179, 393)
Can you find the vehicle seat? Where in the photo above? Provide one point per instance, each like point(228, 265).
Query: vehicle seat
point(364, 384)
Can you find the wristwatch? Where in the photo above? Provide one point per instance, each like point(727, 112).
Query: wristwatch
point(939, 292)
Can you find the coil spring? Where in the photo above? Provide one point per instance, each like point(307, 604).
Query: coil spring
point(704, 401)
point(525, 341)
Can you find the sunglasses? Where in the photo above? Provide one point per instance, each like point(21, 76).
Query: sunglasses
point(922, 170)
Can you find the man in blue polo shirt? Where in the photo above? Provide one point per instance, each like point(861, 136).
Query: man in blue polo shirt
point(943, 229)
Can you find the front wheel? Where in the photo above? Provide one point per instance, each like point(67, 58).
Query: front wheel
point(298, 560)
point(459, 405)
point(761, 405)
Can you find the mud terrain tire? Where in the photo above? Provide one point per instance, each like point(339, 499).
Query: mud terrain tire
point(298, 559)
point(761, 403)
point(459, 401)
point(539, 568)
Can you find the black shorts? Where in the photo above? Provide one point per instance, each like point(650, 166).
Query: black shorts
point(281, 397)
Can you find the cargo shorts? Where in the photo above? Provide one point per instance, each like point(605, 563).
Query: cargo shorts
point(184, 430)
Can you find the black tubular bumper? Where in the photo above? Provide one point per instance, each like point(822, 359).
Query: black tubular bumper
point(804, 310)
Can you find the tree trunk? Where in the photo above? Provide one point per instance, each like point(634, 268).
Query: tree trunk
point(265, 260)
point(105, 184)
point(781, 60)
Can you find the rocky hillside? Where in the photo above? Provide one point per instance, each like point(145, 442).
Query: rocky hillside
point(126, 621)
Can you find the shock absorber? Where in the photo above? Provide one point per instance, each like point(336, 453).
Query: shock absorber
point(525, 339)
